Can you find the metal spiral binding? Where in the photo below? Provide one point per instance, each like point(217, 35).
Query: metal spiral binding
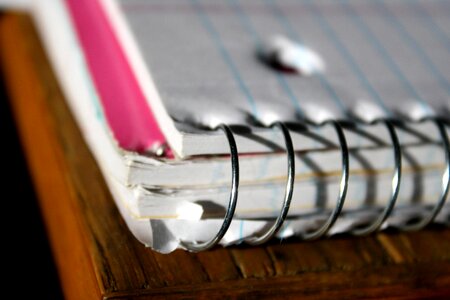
point(445, 182)
point(334, 215)
point(288, 193)
point(196, 247)
point(396, 180)
point(322, 230)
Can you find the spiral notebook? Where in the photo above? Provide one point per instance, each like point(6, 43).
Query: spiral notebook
point(238, 121)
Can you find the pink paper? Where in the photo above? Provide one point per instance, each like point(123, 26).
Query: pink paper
point(127, 112)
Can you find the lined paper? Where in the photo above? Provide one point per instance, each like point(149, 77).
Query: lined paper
point(201, 55)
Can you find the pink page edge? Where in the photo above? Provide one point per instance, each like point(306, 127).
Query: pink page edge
point(127, 111)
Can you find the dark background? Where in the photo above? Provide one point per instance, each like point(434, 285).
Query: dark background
point(28, 263)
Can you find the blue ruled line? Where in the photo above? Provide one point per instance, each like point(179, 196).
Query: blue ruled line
point(241, 231)
point(246, 23)
point(387, 59)
point(432, 25)
point(293, 35)
point(411, 41)
point(345, 53)
point(209, 27)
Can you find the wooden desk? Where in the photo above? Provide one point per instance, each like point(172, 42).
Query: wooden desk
point(97, 257)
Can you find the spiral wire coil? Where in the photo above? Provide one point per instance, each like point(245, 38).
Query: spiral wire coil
point(333, 216)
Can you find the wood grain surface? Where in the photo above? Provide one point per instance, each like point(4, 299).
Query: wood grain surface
point(97, 257)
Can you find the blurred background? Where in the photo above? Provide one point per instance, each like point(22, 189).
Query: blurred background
point(28, 263)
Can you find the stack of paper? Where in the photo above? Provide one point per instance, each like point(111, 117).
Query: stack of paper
point(149, 82)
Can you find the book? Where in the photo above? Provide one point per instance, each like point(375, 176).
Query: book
point(355, 96)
